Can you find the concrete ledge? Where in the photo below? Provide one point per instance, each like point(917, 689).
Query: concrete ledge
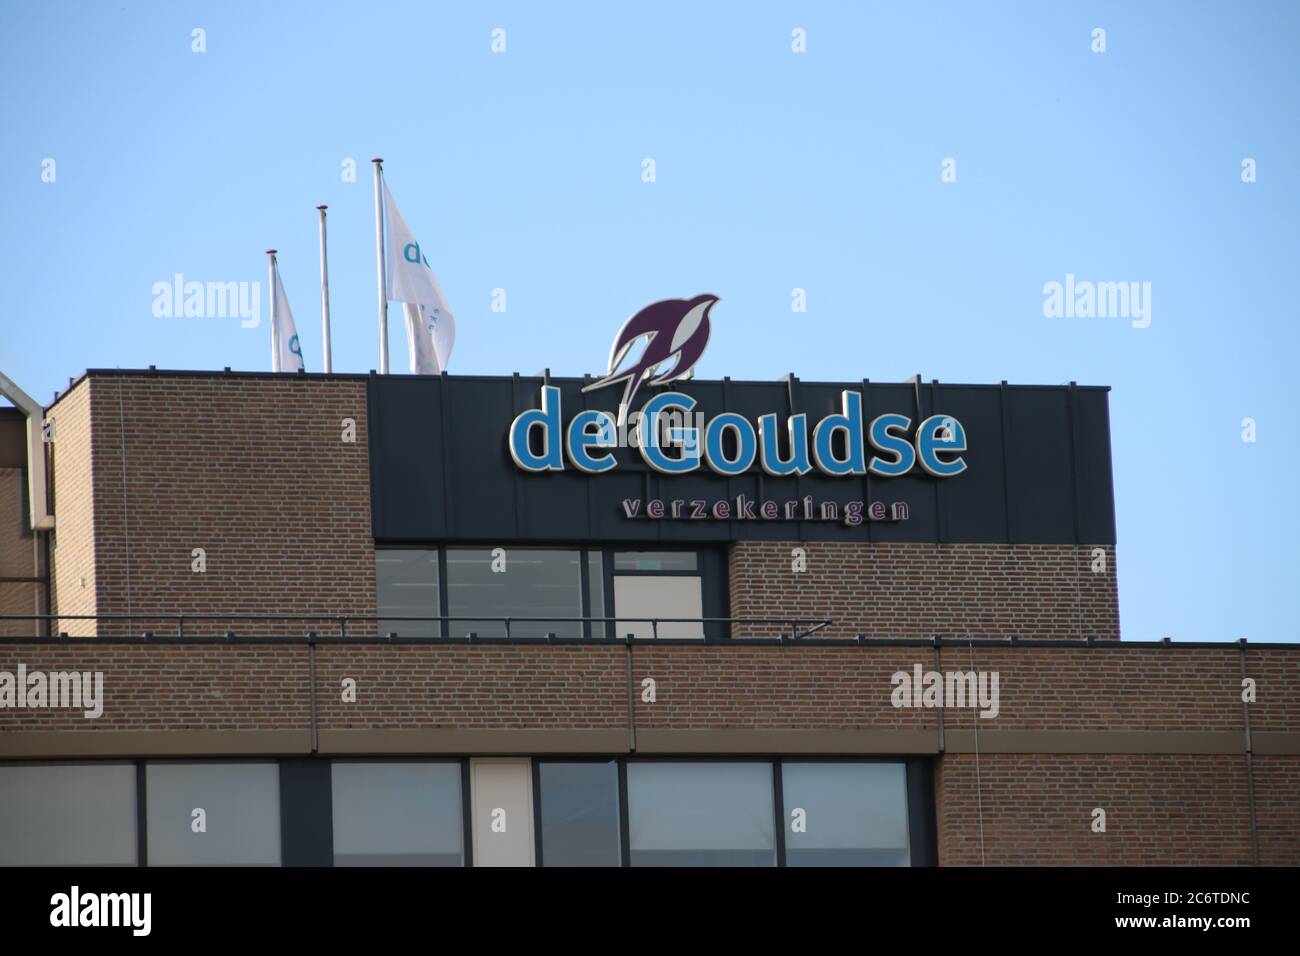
point(56, 745)
point(1094, 742)
point(473, 742)
point(786, 742)
point(44, 745)
point(1275, 742)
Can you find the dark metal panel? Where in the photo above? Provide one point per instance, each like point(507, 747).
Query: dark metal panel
point(974, 507)
point(914, 488)
point(306, 812)
point(472, 491)
point(406, 458)
point(480, 474)
point(552, 506)
point(1094, 484)
point(1038, 455)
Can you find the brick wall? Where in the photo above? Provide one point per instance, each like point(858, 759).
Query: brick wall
point(198, 687)
point(253, 471)
point(1032, 798)
point(72, 558)
point(916, 590)
point(473, 687)
point(1036, 809)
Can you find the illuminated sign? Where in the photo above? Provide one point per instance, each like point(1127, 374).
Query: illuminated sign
point(677, 330)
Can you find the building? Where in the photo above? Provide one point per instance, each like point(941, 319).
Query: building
point(301, 606)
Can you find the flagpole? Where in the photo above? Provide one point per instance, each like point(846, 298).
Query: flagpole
point(379, 266)
point(324, 290)
point(275, 346)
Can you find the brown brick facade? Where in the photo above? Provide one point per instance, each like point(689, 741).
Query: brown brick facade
point(253, 471)
point(918, 590)
point(1037, 810)
point(148, 467)
point(72, 557)
point(1154, 736)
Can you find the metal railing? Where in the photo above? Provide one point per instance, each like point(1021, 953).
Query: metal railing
point(798, 628)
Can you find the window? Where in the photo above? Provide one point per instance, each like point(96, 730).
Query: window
point(397, 814)
point(407, 581)
point(238, 805)
point(67, 815)
point(700, 814)
point(463, 590)
point(641, 600)
point(579, 811)
point(657, 585)
point(625, 561)
point(514, 582)
point(596, 594)
point(845, 814)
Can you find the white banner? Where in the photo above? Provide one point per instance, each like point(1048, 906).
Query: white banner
point(430, 326)
point(286, 350)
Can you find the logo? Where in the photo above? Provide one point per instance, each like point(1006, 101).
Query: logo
point(674, 438)
point(673, 329)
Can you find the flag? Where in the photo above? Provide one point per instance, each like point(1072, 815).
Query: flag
point(430, 327)
point(286, 350)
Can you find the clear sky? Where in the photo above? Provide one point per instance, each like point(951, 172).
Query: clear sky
point(774, 170)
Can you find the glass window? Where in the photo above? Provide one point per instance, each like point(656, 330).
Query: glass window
point(845, 814)
point(514, 583)
point(408, 587)
point(240, 804)
point(580, 822)
point(67, 815)
point(596, 593)
point(658, 596)
point(397, 814)
point(656, 561)
point(700, 814)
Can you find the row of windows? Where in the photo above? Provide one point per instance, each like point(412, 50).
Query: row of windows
point(475, 587)
point(415, 813)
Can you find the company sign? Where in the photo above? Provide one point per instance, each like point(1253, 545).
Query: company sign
point(676, 331)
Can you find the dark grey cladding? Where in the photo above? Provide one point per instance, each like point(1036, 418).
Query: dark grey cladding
point(1039, 466)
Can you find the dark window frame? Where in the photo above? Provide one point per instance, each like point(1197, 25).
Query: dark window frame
point(918, 796)
point(919, 771)
point(711, 569)
point(466, 835)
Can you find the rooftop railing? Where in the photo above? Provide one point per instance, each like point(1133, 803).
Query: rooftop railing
point(348, 628)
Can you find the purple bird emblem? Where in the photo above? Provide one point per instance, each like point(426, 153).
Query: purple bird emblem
point(673, 328)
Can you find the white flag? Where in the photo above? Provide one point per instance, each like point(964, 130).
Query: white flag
point(430, 327)
point(286, 350)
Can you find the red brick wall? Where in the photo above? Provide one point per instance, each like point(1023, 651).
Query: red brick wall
point(916, 590)
point(405, 687)
point(1034, 804)
point(1277, 799)
point(771, 688)
point(252, 470)
point(707, 687)
point(1037, 809)
point(207, 687)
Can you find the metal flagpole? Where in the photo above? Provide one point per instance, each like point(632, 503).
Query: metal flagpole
point(324, 291)
point(275, 345)
point(379, 266)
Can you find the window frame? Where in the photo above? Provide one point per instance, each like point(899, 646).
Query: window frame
point(462, 765)
point(711, 569)
point(918, 773)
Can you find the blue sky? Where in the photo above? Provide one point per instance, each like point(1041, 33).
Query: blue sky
point(774, 170)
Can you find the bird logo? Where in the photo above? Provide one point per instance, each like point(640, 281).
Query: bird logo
point(673, 329)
